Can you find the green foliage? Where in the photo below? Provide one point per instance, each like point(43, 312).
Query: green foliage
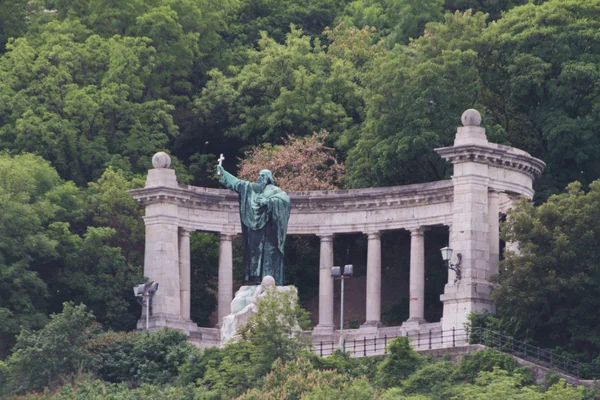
point(138, 358)
point(343, 363)
point(496, 384)
point(432, 379)
point(43, 358)
point(275, 329)
point(558, 266)
point(98, 390)
point(472, 364)
point(290, 88)
point(402, 361)
point(539, 64)
point(78, 99)
point(413, 96)
point(298, 379)
point(233, 371)
point(30, 198)
point(396, 21)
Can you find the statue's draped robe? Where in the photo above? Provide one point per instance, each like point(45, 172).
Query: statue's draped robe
point(263, 227)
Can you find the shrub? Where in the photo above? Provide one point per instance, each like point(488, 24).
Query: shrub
point(473, 363)
point(432, 379)
point(138, 358)
point(56, 351)
point(402, 360)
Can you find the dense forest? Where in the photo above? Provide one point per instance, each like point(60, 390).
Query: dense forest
point(91, 89)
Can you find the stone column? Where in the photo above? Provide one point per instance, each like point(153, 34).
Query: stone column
point(417, 276)
point(325, 284)
point(161, 264)
point(493, 214)
point(373, 314)
point(225, 295)
point(184, 272)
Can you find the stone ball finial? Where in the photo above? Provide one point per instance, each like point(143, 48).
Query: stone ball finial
point(161, 160)
point(471, 117)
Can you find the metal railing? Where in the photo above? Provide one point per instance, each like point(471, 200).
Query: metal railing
point(545, 358)
point(437, 338)
point(362, 347)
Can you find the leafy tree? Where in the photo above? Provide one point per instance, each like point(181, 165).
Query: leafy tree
point(402, 360)
point(14, 18)
point(432, 379)
point(290, 88)
point(549, 291)
point(539, 65)
point(472, 364)
point(78, 99)
point(40, 358)
point(275, 329)
point(298, 379)
point(300, 164)
point(413, 98)
point(138, 358)
point(395, 20)
point(494, 8)
point(30, 197)
point(275, 18)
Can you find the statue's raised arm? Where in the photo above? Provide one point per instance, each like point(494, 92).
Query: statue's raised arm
point(264, 214)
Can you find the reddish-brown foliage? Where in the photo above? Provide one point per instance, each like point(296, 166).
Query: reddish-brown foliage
point(300, 164)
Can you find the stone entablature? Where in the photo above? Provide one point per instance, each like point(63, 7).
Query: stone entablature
point(487, 180)
point(317, 212)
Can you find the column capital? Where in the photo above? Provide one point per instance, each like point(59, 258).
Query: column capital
point(184, 231)
point(373, 235)
point(419, 231)
point(328, 237)
point(226, 236)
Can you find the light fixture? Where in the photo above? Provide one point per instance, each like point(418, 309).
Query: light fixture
point(336, 273)
point(144, 292)
point(447, 257)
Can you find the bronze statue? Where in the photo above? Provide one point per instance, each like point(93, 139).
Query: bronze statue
point(264, 213)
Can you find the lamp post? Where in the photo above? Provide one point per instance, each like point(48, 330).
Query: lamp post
point(144, 292)
point(336, 274)
point(447, 256)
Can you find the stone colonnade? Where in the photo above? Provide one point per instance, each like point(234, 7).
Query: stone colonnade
point(487, 179)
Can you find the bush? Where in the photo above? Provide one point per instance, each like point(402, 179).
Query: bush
point(472, 364)
point(299, 379)
point(138, 358)
point(432, 379)
point(55, 352)
point(354, 367)
point(402, 360)
point(99, 390)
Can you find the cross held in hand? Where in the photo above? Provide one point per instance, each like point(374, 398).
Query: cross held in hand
point(221, 158)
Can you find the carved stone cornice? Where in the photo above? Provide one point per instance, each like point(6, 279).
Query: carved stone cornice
point(305, 202)
point(495, 155)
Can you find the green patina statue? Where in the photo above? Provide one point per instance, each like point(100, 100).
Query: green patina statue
point(264, 213)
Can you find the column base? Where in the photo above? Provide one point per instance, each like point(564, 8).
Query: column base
point(158, 321)
point(413, 322)
point(369, 328)
point(323, 333)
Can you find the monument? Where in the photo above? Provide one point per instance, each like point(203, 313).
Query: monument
point(264, 214)
point(487, 180)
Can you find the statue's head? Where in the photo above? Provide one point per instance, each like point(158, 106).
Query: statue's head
point(265, 177)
